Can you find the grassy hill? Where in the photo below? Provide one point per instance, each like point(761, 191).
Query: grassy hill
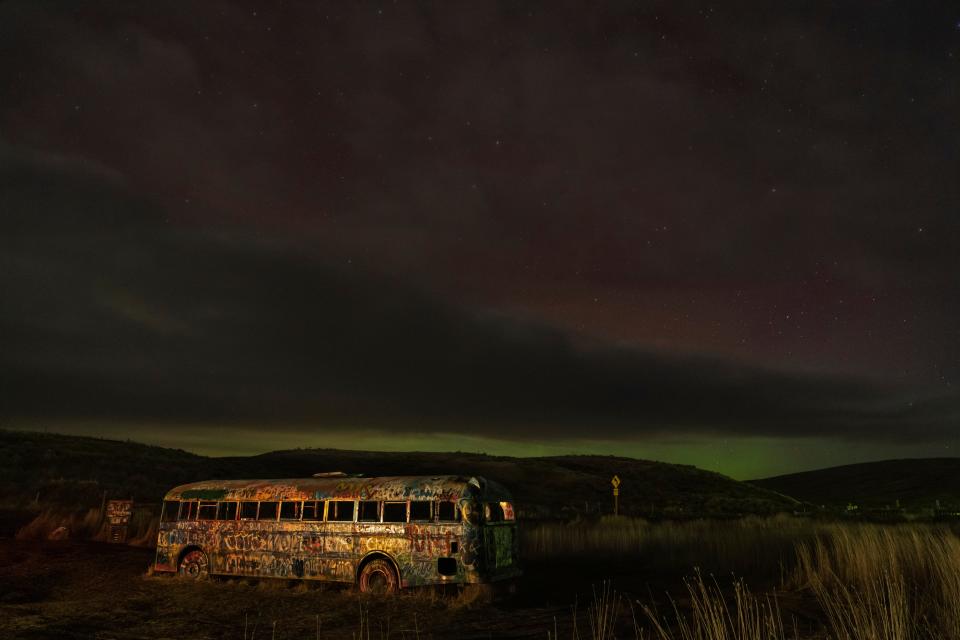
point(38, 469)
point(916, 483)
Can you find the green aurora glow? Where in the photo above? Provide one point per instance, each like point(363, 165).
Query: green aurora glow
point(740, 458)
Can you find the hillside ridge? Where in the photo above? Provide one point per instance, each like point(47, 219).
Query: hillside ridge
point(909, 483)
point(45, 469)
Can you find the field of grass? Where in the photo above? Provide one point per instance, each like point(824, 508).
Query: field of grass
point(778, 578)
point(852, 581)
point(753, 546)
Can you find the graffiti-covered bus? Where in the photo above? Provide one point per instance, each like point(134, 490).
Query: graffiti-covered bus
point(381, 533)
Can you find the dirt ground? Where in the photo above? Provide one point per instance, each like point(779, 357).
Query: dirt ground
point(100, 591)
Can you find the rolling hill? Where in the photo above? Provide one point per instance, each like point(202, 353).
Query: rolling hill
point(916, 483)
point(48, 470)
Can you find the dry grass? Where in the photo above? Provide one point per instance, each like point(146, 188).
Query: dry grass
point(602, 614)
point(714, 616)
point(894, 583)
point(863, 581)
point(85, 525)
point(90, 525)
point(143, 529)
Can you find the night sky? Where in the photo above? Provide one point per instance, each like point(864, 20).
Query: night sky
point(722, 236)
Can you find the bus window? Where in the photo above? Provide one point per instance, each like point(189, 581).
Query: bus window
point(369, 511)
point(394, 511)
point(248, 510)
point(447, 511)
point(290, 510)
point(268, 511)
point(340, 511)
point(313, 510)
point(493, 512)
point(207, 511)
point(420, 511)
point(188, 510)
point(171, 508)
point(227, 511)
point(507, 510)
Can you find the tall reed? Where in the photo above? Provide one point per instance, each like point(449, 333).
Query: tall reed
point(894, 583)
point(712, 616)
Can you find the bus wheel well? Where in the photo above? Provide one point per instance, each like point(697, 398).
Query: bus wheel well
point(186, 550)
point(376, 555)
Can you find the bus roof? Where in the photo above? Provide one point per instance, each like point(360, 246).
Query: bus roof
point(347, 488)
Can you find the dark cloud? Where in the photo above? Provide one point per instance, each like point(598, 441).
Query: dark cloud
point(111, 313)
point(647, 219)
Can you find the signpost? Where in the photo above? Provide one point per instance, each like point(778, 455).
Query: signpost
point(615, 481)
point(118, 516)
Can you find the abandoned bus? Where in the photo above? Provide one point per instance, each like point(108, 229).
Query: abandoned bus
point(382, 533)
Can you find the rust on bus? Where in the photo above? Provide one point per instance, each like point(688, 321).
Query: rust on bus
point(394, 531)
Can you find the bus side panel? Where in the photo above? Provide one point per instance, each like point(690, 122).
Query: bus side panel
point(166, 558)
point(386, 538)
point(260, 549)
point(174, 537)
point(424, 544)
point(313, 551)
point(264, 549)
point(331, 552)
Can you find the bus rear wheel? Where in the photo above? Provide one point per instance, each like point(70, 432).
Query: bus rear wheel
point(194, 565)
point(378, 577)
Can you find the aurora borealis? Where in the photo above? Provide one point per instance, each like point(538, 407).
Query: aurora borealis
point(704, 235)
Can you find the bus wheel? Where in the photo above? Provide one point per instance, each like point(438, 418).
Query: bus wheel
point(378, 577)
point(194, 565)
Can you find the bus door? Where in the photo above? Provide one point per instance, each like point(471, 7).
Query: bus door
point(498, 535)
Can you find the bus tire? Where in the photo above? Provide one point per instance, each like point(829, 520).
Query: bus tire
point(378, 577)
point(194, 565)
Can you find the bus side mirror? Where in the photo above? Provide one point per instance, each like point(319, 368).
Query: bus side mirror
point(470, 512)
